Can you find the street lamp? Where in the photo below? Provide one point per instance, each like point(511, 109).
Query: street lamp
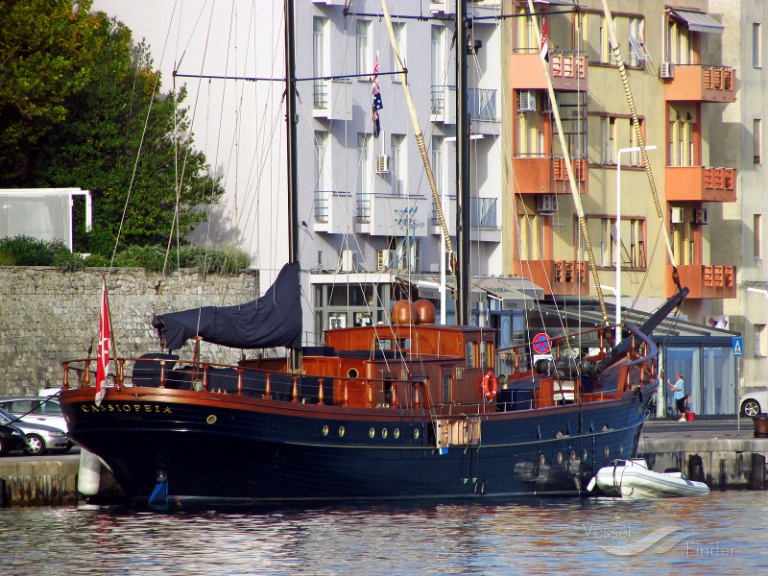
point(621, 151)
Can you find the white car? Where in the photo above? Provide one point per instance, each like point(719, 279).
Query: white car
point(754, 402)
point(36, 410)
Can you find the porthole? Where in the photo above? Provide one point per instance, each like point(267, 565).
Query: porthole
point(353, 373)
point(559, 457)
point(621, 449)
point(325, 430)
point(384, 432)
point(396, 433)
point(372, 432)
point(341, 431)
point(416, 434)
point(542, 460)
point(584, 455)
point(211, 419)
point(607, 451)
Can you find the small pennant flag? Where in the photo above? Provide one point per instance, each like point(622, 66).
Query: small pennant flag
point(102, 352)
point(377, 103)
point(544, 51)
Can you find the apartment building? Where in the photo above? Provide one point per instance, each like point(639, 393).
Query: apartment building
point(701, 123)
point(372, 226)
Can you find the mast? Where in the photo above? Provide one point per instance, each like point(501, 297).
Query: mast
point(462, 167)
point(291, 120)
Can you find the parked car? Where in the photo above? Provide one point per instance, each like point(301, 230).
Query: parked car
point(40, 438)
point(752, 403)
point(36, 410)
point(11, 438)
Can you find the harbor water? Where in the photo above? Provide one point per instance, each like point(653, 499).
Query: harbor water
point(723, 533)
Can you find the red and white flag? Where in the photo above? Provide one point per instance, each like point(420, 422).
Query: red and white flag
point(102, 352)
point(544, 51)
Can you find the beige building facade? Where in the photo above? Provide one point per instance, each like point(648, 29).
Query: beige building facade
point(694, 76)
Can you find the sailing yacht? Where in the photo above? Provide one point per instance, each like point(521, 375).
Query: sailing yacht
point(409, 409)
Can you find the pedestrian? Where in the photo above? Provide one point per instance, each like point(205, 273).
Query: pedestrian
point(679, 395)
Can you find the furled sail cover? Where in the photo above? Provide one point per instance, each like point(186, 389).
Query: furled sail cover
point(272, 320)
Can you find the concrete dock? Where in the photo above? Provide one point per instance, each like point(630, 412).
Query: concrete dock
point(721, 452)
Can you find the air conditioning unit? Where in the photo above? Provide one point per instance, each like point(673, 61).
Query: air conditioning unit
point(546, 203)
point(382, 164)
point(701, 216)
point(384, 260)
point(667, 70)
point(676, 215)
point(527, 100)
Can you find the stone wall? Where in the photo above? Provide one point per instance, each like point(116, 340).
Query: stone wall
point(48, 316)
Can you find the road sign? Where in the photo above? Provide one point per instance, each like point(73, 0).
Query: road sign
point(541, 343)
point(738, 346)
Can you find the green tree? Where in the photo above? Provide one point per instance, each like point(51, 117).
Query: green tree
point(45, 49)
point(127, 143)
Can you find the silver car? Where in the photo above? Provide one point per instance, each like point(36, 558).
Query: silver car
point(36, 410)
point(40, 438)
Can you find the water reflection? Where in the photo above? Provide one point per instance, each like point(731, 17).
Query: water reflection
point(723, 533)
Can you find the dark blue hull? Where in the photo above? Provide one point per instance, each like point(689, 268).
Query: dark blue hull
point(250, 452)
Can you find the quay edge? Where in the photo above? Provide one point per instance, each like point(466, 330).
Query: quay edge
point(734, 463)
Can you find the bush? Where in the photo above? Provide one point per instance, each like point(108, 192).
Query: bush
point(28, 251)
point(25, 251)
point(150, 258)
point(227, 260)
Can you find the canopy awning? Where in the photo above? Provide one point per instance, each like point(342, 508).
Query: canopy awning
point(698, 21)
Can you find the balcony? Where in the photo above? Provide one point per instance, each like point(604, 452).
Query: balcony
point(481, 104)
point(567, 69)
point(443, 104)
point(545, 175)
point(556, 277)
point(330, 100)
point(391, 214)
point(331, 208)
point(699, 83)
point(704, 281)
point(700, 184)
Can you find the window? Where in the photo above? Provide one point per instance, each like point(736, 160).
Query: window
point(757, 127)
point(757, 225)
point(631, 241)
point(438, 69)
point(398, 164)
point(399, 31)
point(760, 339)
point(365, 174)
point(322, 164)
point(681, 136)
point(636, 41)
point(320, 88)
point(438, 167)
point(364, 57)
point(757, 45)
point(530, 121)
point(607, 139)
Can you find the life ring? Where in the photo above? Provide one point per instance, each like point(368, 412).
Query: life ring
point(490, 385)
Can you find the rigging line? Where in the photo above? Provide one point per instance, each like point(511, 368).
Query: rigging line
point(569, 169)
point(420, 138)
point(152, 96)
point(638, 133)
point(188, 143)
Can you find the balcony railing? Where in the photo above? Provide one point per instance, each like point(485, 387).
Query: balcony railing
point(705, 281)
point(320, 95)
point(482, 213)
point(481, 103)
point(700, 83)
point(700, 184)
